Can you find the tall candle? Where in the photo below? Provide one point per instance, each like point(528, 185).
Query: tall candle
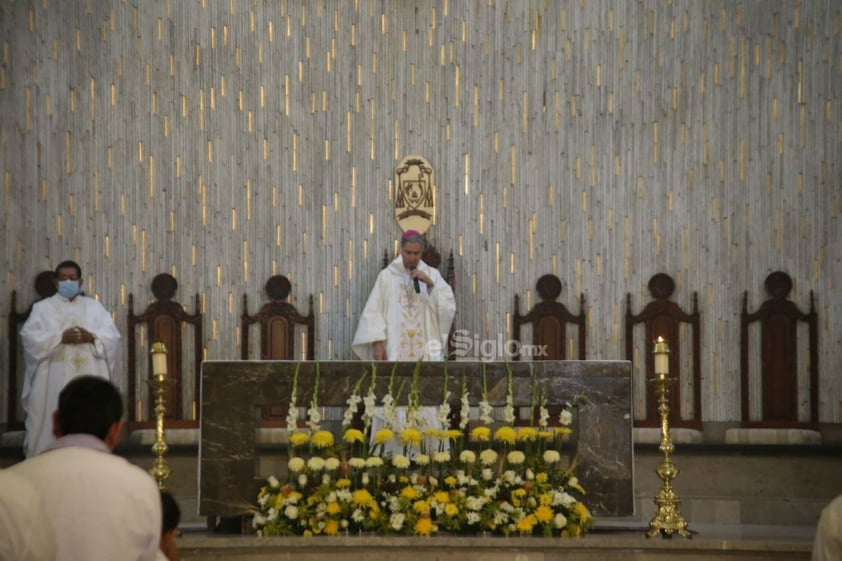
point(661, 357)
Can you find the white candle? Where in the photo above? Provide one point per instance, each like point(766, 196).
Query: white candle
point(661, 357)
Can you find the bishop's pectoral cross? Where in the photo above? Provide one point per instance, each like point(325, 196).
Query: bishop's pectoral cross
point(78, 361)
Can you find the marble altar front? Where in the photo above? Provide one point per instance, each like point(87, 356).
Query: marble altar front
point(233, 392)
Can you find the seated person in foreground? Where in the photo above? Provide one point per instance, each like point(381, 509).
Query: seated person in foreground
point(102, 507)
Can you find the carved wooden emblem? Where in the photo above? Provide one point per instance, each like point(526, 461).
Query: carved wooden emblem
point(415, 206)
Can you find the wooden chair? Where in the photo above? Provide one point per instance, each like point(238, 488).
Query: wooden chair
point(549, 320)
point(165, 321)
point(44, 288)
point(663, 318)
point(779, 320)
point(277, 319)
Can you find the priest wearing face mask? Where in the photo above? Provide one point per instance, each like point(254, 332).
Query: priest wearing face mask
point(66, 335)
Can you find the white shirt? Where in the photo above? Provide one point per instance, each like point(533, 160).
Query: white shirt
point(102, 507)
point(827, 545)
point(26, 534)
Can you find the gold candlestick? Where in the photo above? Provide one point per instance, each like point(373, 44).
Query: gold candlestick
point(159, 381)
point(668, 520)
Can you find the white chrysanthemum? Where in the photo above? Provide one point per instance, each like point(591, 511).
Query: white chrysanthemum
point(516, 457)
point(291, 512)
point(400, 461)
point(316, 463)
point(508, 476)
point(474, 503)
point(396, 521)
point(332, 464)
point(358, 515)
point(374, 461)
point(441, 457)
point(488, 457)
point(422, 459)
point(567, 500)
point(467, 457)
point(565, 417)
point(487, 474)
point(272, 514)
point(302, 480)
point(551, 456)
point(273, 481)
point(357, 463)
point(258, 520)
point(296, 464)
point(473, 518)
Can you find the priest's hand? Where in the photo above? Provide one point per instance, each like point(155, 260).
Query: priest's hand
point(379, 349)
point(77, 336)
point(421, 276)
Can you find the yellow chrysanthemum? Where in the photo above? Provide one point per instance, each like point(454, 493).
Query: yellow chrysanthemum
point(451, 510)
point(546, 434)
point(299, 439)
point(450, 481)
point(526, 434)
point(421, 507)
point(411, 436)
point(481, 434)
point(409, 493)
point(383, 436)
point(343, 483)
point(442, 497)
point(333, 508)
point(541, 477)
point(544, 514)
point(526, 524)
point(435, 433)
point(506, 435)
point(545, 499)
point(423, 526)
point(452, 434)
point(562, 430)
point(517, 496)
point(363, 498)
point(582, 511)
point(323, 439)
point(353, 435)
point(332, 528)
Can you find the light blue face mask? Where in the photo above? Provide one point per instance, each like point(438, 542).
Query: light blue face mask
point(68, 288)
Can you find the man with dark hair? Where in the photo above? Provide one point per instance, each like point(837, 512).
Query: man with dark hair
point(101, 506)
point(167, 549)
point(66, 335)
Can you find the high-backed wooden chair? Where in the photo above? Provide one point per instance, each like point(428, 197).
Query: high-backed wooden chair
point(663, 318)
point(165, 320)
point(278, 320)
point(779, 320)
point(44, 288)
point(432, 257)
point(549, 320)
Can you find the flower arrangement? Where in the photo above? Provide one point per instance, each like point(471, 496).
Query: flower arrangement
point(494, 478)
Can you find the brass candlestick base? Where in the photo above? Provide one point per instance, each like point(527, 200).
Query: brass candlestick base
point(668, 520)
point(159, 470)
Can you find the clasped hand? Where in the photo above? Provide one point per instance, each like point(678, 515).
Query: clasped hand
point(77, 336)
